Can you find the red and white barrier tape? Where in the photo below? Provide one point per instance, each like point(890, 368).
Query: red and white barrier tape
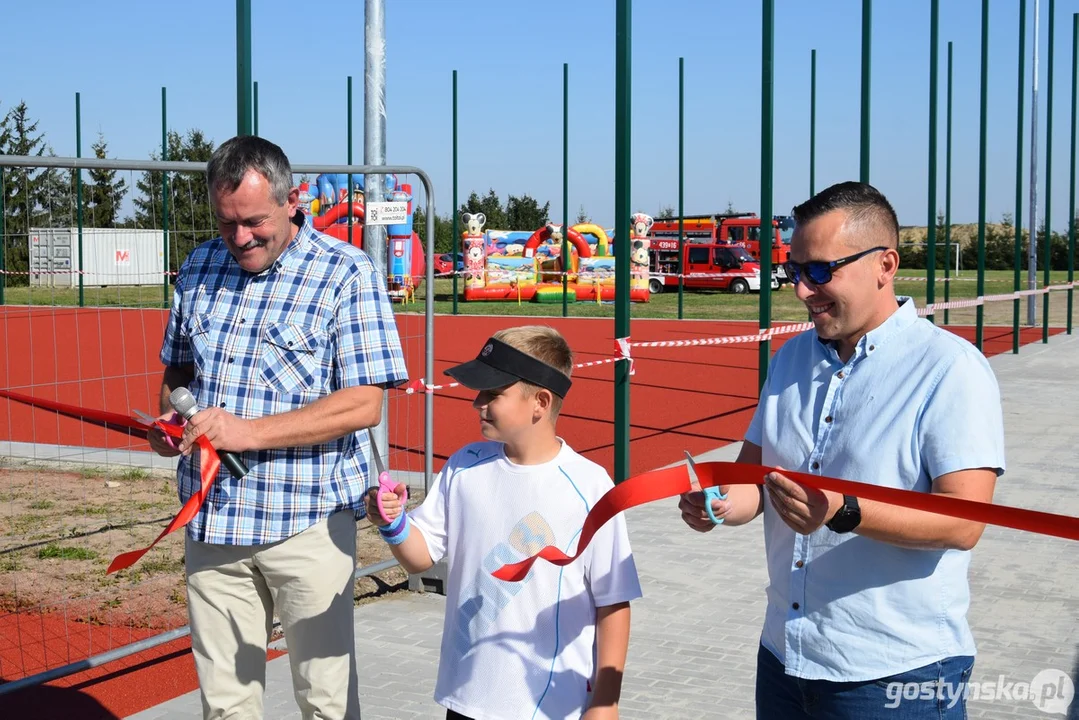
point(1003, 297)
point(23, 273)
point(915, 278)
point(624, 346)
point(729, 339)
point(419, 386)
point(704, 275)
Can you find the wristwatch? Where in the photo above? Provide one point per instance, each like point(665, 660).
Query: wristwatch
point(847, 517)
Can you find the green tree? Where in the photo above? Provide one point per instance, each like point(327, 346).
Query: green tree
point(443, 230)
point(33, 197)
point(525, 213)
point(582, 216)
point(103, 193)
point(491, 207)
point(666, 212)
point(191, 219)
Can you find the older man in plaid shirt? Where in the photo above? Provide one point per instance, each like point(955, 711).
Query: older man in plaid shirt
point(286, 338)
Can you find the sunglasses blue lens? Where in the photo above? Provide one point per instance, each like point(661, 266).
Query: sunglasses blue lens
point(817, 273)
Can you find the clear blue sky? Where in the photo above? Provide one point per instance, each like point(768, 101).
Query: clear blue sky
point(509, 57)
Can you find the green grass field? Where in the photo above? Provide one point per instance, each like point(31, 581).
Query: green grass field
point(701, 305)
point(715, 305)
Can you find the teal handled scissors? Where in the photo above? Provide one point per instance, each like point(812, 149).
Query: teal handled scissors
point(710, 493)
point(385, 482)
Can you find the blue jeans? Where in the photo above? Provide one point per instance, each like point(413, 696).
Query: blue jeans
point(936, 691)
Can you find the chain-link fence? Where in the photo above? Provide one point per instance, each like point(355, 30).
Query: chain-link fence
point(83, 313)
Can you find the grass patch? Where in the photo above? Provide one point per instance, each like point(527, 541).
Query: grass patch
point(53, 551)
point(42, 505)
point(117, 296)
point(158, 565)
point(715, 305)
point(26, 523)
point(90, 473)
point(144, 505)
point(697, 304)
point(135, 473)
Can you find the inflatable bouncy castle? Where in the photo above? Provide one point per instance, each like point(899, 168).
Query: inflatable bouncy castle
point(327, 202)
point(511, 265)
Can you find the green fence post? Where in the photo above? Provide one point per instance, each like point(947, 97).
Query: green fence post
point(980, 329)
point(681, 184)
point(1071, 193)
point(1018, 259)
point(165, 200)
point(764, 354)
point(78, 196)
point(867, 42)
point(565, 188)
point(812, 122)
point(243, 67)
point(3, 237)
point(931, 209)
point(948, 191)
point(348, 197)
point(457, 248)
point(1048, 178)
point(622, 154)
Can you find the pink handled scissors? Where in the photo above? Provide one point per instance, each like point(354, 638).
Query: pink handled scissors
point(385, 482)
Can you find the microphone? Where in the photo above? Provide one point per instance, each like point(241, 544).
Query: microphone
point(183, 402)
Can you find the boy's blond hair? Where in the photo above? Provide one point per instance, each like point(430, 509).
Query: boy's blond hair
point(546, 345)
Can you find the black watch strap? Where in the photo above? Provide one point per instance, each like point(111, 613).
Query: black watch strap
point(847, 518)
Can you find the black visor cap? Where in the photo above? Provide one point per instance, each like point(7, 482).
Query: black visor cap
point(499, 365)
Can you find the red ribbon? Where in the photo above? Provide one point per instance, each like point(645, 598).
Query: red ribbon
point(644, 488)
point(209, 460)
point(671, 482)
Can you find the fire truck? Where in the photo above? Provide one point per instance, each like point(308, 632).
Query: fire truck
point(707, 266)
point(740, 229)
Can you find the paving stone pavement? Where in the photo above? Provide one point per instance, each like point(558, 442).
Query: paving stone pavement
point(695, 632)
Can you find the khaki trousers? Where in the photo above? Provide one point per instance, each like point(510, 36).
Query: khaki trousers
point(232, 592)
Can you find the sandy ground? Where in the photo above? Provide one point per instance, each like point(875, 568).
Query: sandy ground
point(60, 528)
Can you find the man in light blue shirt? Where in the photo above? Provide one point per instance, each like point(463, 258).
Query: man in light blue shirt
point(865, 599)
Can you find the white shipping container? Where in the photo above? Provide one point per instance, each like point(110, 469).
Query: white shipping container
point(109, 256)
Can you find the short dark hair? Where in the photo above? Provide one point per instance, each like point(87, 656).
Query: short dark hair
point(863, 203)
point(232, 161)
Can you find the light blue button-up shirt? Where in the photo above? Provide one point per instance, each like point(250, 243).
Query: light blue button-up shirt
point(913, 403)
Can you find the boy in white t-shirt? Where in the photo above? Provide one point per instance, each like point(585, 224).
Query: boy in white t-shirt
point(554, 644)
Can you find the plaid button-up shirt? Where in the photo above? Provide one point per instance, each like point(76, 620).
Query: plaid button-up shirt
point(316, 321)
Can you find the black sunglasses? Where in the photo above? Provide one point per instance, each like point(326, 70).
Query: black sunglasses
point(819, 272)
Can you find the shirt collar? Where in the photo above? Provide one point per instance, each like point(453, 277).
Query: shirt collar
point(903, 317)
point(294, 251)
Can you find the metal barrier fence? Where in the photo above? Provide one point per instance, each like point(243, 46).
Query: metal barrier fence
point(82, 324)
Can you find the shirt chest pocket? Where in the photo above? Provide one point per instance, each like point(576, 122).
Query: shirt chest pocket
point(294, 358)
point(203, 345)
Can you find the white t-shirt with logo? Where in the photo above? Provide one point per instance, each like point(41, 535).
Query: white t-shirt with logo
point(521, 649)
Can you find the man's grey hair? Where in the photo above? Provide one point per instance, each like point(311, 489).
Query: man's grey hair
point(232, 161)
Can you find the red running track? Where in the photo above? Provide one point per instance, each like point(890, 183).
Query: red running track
point(691, 398)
